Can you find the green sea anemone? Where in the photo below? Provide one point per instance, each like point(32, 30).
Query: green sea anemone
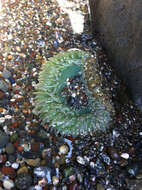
point(70, 96)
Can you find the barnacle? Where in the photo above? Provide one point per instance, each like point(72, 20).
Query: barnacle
point(70, 95)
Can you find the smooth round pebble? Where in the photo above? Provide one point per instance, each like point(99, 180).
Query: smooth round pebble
point(3, 139)
point(55, 180)
point(80, 160)
point(10, 148)
point(6, 74)
point(63, 149)
point(15, 165)
point(3, 85)
point(23, 181)
point(8, 184)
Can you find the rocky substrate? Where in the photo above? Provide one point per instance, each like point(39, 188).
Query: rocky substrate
point(32, 156)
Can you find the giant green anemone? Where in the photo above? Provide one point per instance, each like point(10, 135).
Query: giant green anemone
point(70, 96)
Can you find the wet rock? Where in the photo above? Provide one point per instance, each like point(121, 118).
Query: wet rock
point(2, 95)
point(8, 184)
point(10, 148)
point(113, 153)
point(3, 158)
point(3, 139)
point(9, 171)
point(33, 162)
point(63, 149)
point(23, 169)
point(55, 180)
point(43, 171)
point(118, 25)
point(100, 186)
point(23, 181)
point(68, 171)
point(12, 158)
point(3, 85)
point(15, 165)
point(134, 169)
point(6, 74)
point(80, 160)
point(74, 186)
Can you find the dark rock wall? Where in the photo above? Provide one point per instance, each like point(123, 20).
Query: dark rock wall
point(118, 24)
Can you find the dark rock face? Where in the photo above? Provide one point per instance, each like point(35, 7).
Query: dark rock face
point(118, 24)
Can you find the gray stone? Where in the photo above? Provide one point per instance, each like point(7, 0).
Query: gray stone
point(6, 74)
point(10, 148)
point(3, 139)
point(118, 24)
point(3, 86)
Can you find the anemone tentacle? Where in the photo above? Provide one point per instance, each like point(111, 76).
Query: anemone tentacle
point(67, 94)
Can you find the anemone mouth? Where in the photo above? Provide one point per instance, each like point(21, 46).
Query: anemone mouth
point(72, 90)
point(75, 93)
point(64, 97)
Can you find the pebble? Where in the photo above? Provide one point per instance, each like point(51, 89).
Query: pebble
point(23, 181)
point(63, 149)
point(43, 171)
point(3, 86)
point(33, 162)
point(74, 186)
point(25, 24)
point(6, 74)
point(125, 155)
point(15, 165)
point(80, 160)
point(10, 148)
point(9, 171)
point(3, 158)
point(2, 94)
point(113, 153)
point(100, 187)
point(55, 180)
point(23, 169)
point(43, 182)
point(133, 169)
point(68, 171)
point(3, 139)
point(8, 184)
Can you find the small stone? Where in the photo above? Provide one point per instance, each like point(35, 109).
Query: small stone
point(9, 171)
point(33, 162)
point(6, 74)
point(55, 180)
point(8, 184)
point(68, 171)
point(43, 171)
point(80, 160)
point(72, 178)
point(80, 177)
point(15, 165)
point(133, 169)
point(2, 94)
point(63, 149)
point(74, 186)
point(35, 146)
point(3, 139)
point(2, 119)
point(23, 169)
point(125, 155)
point(10, 148)
point(113, 153)
point(3, 158)
point(100, 187)
point(42, 182)
point(12, 158)
point(23, 181)
point(3, 86)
